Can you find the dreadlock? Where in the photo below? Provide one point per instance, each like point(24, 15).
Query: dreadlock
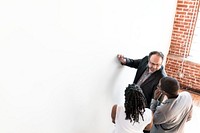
point(135, 103)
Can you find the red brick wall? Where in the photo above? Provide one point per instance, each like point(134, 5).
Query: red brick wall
point(177, 65)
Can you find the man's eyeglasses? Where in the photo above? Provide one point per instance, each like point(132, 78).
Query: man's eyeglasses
point(154, 64)
point(159, 87)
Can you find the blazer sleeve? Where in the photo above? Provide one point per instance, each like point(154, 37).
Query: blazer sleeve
point(135, 63)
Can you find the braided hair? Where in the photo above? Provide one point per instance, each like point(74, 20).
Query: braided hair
point(135, 103)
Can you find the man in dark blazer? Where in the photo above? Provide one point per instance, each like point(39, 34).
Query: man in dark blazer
point(149, 71)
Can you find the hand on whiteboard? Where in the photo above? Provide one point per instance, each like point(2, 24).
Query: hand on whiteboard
point(121, 58)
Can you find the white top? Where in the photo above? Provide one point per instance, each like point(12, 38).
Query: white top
point(124, 126)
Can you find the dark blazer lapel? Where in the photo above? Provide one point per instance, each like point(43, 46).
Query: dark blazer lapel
point(150, 78)
point(139, 74)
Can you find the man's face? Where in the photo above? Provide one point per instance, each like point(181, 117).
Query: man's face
point(155, 62)
point(160, 89)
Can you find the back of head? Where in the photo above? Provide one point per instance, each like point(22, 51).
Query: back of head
point(135, 102)
point(170, 85)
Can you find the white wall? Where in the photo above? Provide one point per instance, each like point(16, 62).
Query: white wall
point(58, 66)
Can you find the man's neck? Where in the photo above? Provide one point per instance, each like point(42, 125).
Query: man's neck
point(172, 96)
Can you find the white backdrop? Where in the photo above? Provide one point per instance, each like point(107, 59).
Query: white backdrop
point(58, 66)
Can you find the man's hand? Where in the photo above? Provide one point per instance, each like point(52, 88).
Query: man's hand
point(157, 94)
point(121, 58)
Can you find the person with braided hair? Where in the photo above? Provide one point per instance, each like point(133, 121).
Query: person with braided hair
point(133, 116)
